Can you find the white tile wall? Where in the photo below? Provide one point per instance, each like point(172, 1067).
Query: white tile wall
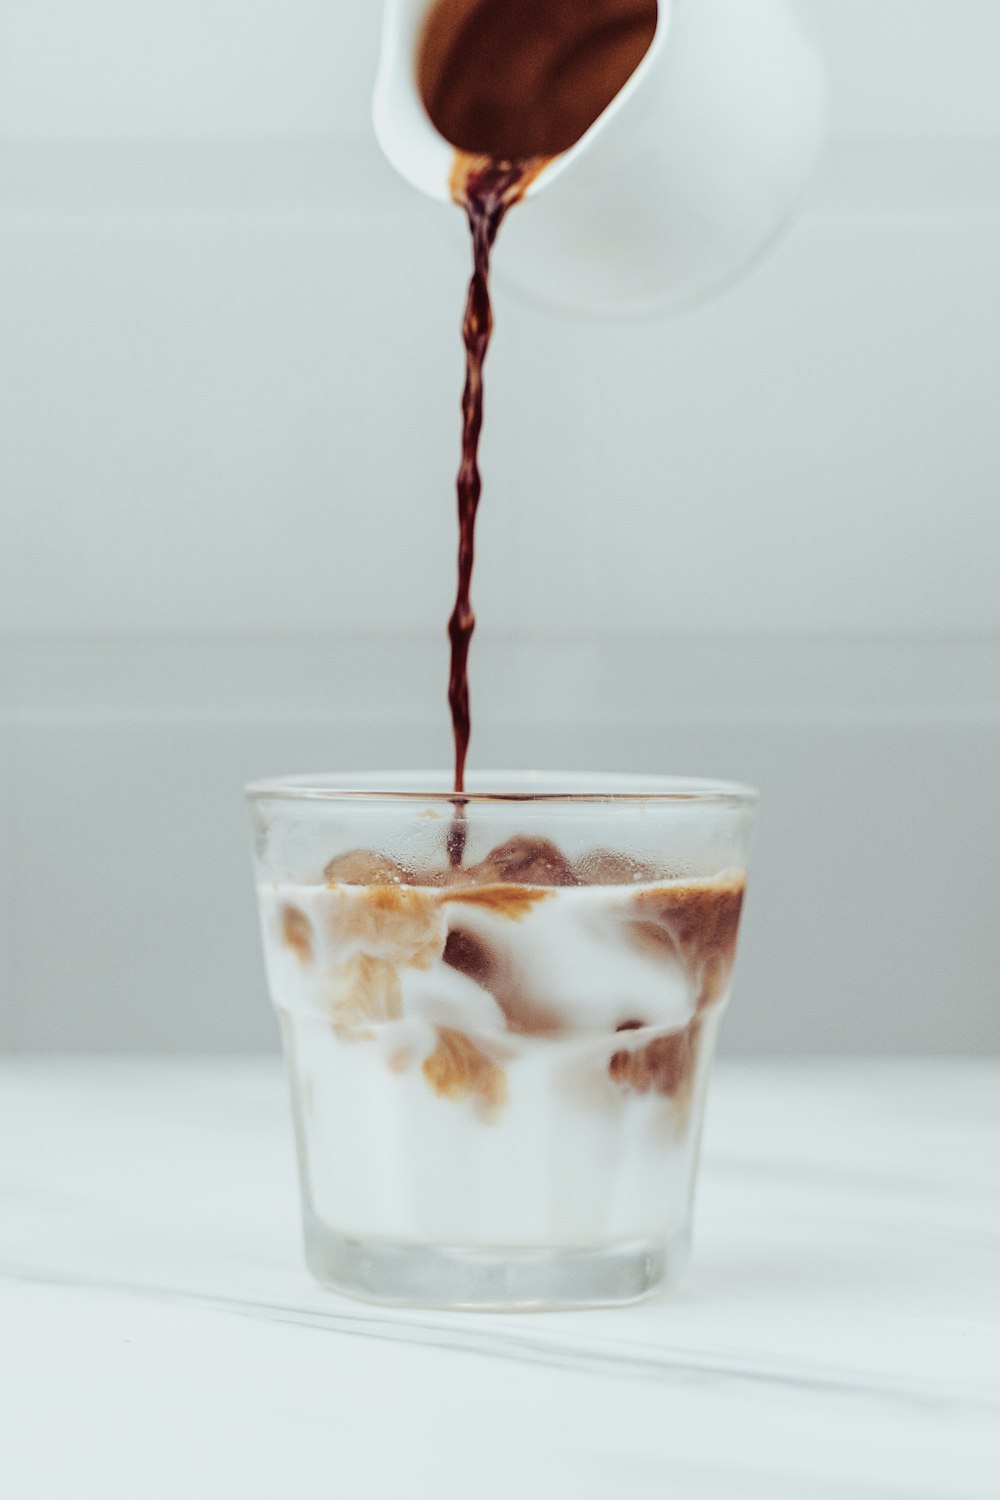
point(202, 393)
point(911, 69)
point(185, 69)
point(760, 540)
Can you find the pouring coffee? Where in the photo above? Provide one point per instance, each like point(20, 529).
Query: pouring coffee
point(511, 84)
point(666, 177)
point(617, 108)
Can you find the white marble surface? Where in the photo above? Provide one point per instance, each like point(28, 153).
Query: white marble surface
point(837, 1337)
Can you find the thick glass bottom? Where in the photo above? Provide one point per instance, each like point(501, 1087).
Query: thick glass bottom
point(492, 1279)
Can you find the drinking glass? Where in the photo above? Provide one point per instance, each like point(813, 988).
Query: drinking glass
point(499, 1012)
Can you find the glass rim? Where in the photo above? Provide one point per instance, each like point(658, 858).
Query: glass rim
point(602, 788)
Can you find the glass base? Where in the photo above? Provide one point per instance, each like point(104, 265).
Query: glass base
point(398, 1274)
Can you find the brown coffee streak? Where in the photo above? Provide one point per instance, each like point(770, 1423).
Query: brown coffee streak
point(296, 933)
point(458, 1070)
point(511, 901)
point(666, 1065)
point(698, 921)
point(468, 954)
point(524, 1014)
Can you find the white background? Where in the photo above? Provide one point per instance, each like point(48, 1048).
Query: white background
point(760, 540)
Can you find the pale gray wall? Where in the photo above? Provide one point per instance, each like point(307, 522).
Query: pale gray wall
point(761, 540)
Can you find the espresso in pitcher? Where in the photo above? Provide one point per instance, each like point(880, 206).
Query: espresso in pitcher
point(511, 84)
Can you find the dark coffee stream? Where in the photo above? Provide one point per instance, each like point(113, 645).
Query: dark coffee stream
point(510, 83)
point(486, 189)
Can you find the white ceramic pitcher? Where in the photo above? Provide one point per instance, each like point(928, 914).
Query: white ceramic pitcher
point(676, 188)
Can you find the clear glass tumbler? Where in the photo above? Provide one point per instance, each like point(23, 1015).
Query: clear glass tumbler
point(499, 1013)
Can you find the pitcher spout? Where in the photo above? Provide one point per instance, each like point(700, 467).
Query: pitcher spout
point(406, 132)
point(666, 193)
